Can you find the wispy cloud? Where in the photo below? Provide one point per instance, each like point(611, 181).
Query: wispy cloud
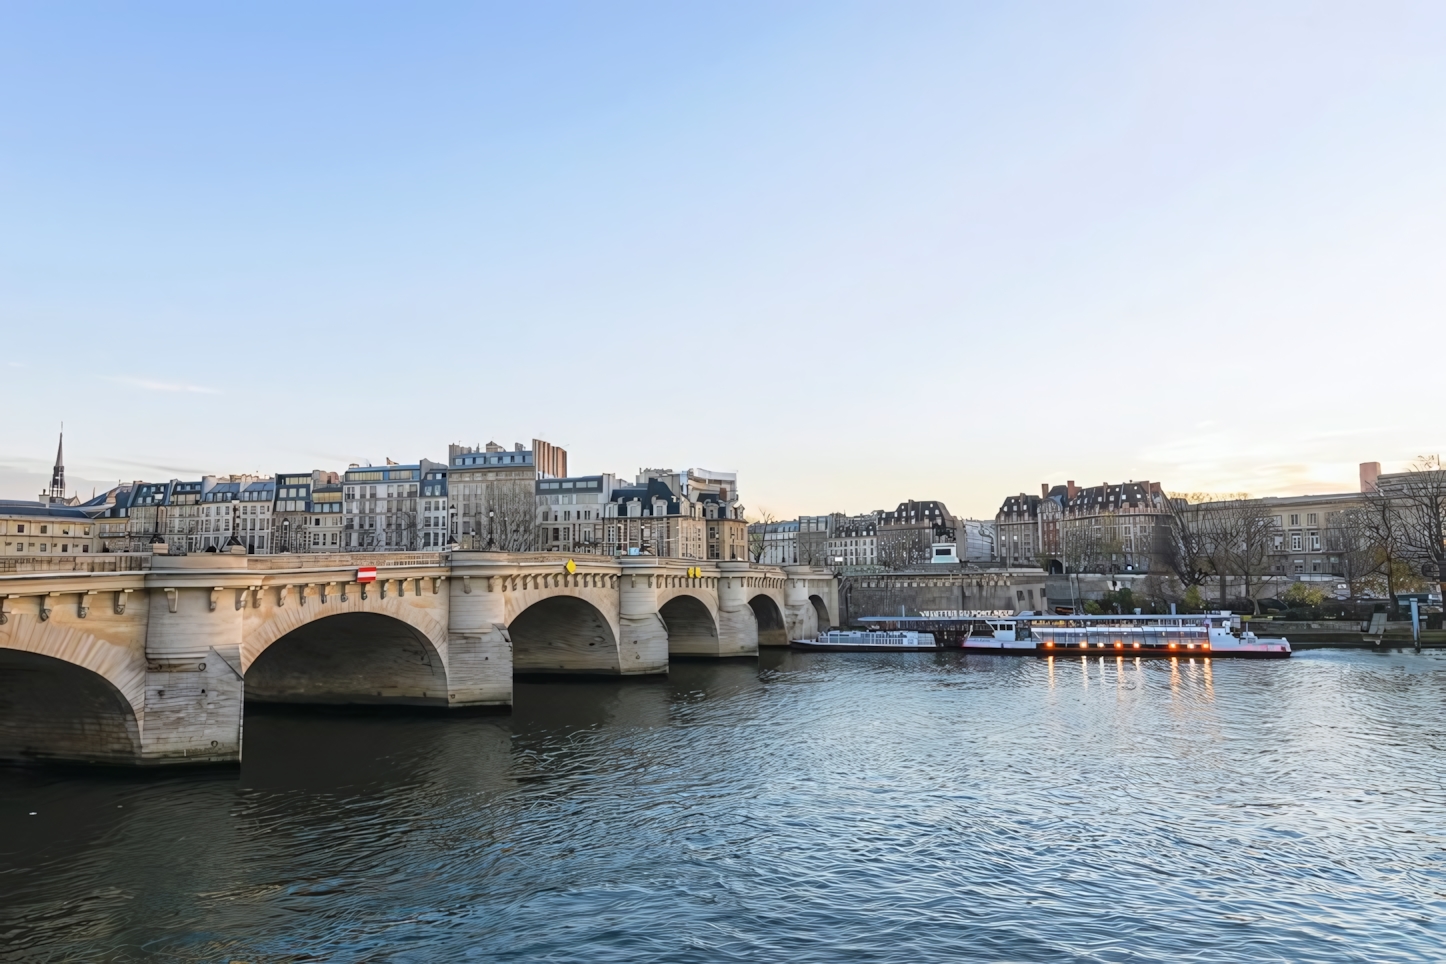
point(156, 466)
point(154, 386)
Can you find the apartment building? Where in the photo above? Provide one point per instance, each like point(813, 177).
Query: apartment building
point(255, 515)
point(571, 513)
point(650, 518)
point(113, 518)
point(293, 517)
point(1105, 528)
point(220, 520)
point(1017, 529)
point(46, 529)
point(1305, 533)
point(146, 515)
point(776, 543)
point(813, 538)
point(183, 515)
point(324, 528)
point(907, 535)
point(492, 479)
point(381, 507)
point(853, 541)
point(437, 524)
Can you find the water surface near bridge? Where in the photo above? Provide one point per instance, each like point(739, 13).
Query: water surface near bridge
point(805, 807)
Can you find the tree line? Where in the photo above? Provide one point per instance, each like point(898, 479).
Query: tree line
point(1393, 540)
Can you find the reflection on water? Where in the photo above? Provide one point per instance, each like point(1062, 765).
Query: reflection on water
point(820, 806)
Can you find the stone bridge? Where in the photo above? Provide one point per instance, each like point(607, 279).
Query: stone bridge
point(153, 661)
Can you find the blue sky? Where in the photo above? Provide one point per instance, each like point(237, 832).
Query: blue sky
point(857, 252)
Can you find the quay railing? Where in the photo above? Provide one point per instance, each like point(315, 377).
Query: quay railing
point(101, 562)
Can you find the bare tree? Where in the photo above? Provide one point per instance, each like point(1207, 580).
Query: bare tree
point(758, 530)
point(1382, 520)
point(1353, 539)
point(812, 545)
point(1240, 546)
point(1418, 498)
point(1186, 540)
point(407, 528)
point(1079, 546)
point(507, 520)
point(903, 547)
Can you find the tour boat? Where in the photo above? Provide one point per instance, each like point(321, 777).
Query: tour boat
point(868, 641)
point(1205, 636)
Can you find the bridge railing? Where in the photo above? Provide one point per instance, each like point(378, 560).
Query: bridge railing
point(102, 562)
point(344, 560)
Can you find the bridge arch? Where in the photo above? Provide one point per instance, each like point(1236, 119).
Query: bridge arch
point(350, 657)
point(275, 620)
point(820, 608)
point(692, 626)
point(772, 630)
point(563, 634)
point(52, 709)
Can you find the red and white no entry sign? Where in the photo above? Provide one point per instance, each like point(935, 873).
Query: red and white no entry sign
point(366, 574)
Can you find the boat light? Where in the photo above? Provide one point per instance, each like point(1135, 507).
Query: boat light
point(1049, 645)
point(1119, 645)
point(1137, 645)
point(1174, 645)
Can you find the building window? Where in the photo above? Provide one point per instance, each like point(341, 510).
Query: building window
point(1310, 519)
point(1295, 519)
point(1295, 542)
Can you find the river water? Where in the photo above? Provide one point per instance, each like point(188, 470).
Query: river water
point(800, 807)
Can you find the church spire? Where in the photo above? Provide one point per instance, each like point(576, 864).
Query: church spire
point(57, 475)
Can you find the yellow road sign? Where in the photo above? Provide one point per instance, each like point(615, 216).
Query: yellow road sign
point(571, 567)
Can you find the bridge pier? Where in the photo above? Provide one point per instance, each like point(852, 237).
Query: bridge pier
point(737, 625)
point(811, 604)
point(479, 649)
point(642, 634)
point(194, 693)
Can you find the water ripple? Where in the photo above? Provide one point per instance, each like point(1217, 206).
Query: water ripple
point(814, 807)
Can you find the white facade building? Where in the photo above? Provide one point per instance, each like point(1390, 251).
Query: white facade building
point(381, 508)
point(779, 542)
point(436, 511)
point(854, 541)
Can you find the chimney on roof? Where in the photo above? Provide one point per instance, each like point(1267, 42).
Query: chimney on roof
point(1070, 490)
point(1370, 471)
point(1044, 490)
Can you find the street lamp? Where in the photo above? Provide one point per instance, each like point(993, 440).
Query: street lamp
point(285, 535)
point(491, 522)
